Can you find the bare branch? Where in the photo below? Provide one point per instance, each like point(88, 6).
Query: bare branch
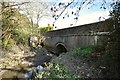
point(65, 7)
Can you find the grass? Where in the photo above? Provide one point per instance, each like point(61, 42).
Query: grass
point(85, 51)
point(56, 70)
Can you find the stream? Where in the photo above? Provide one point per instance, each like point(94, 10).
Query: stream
point(41, 56)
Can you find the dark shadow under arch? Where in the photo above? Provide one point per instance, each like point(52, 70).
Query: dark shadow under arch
point(60, 47)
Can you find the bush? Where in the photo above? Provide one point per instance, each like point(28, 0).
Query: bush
point(55, 70)
point(84, 51)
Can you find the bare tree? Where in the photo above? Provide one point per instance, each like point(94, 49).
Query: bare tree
point(35, 11)
point(61, 9)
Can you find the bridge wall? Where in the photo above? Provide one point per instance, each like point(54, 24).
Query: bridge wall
point(77, 36)
point(71, 42)
point(87, 29)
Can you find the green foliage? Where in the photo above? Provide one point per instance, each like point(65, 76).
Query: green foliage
point(45, 29)
point(12, 24)
point(55, 70)
point(84, 51)
point(8, 22)
point(16, 26)
point(21, 37)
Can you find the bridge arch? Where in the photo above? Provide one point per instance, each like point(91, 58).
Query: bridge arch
point(60, 48)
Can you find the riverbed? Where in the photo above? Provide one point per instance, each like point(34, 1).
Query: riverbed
point(17, 64)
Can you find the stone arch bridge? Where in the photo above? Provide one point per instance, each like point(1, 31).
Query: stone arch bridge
point(67, 39)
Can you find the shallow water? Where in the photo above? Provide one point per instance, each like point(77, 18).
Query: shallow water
point(12, 74)
point(38, 59)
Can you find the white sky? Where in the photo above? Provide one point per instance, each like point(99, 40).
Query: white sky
point(86, 16)
point(93, 17)
point(84, 19)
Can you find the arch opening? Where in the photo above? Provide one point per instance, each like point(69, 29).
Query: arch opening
point(61, 48)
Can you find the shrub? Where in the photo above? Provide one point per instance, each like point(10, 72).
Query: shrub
point(55, 70)
point(84, 51)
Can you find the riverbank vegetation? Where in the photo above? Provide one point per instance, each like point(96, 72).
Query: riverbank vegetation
point(16, 27)
point(56, 70)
